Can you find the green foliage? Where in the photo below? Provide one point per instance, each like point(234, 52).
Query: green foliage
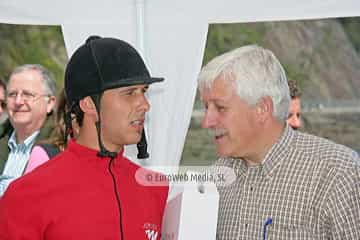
point(351, 28)
point(26, 44)
point(225, 37)
point(295, 73)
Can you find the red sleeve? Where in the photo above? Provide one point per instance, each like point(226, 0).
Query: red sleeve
point(17, 221)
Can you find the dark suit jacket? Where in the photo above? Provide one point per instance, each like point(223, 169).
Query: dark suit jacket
point(6, 132)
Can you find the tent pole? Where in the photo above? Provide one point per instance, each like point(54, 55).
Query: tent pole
point(140, 26)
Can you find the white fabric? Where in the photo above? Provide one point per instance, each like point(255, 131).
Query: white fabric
point(113, 11)
point(174, 42)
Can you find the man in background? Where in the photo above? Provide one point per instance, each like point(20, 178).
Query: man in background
point(294, 116)
point(289, 185)
point(5, 125)
point(2, 98)
point(30, 100)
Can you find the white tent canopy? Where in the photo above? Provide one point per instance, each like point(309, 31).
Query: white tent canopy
point(171, 35)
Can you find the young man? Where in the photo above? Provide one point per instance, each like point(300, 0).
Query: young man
point(294, 116)
point(30, 100)
point(289, 185)
point(89, 191)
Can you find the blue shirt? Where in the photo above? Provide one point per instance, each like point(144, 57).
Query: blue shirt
point(17, 160)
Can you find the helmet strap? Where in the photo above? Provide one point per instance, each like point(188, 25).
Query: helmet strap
point(68, 123)
point(142, 147)
point(103, 151)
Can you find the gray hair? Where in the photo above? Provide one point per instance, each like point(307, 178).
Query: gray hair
point(47, 77)
point(256, 73)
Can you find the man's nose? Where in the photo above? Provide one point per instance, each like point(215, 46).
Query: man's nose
point(294, 122)
point(210, 119)
point(144, 103)
point(297, 122)
point(19, 100)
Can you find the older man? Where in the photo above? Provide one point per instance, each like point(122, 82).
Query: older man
point(289, 185)
point(30, 99)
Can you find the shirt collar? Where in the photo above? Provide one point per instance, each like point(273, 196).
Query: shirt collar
point(277, 153)
point(84, 152)
point(29, 141)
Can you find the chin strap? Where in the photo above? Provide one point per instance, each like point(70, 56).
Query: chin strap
point(103, 151)
point(142, 147)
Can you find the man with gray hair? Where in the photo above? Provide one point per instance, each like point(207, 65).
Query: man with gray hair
point(30, 99)
point(289, 185)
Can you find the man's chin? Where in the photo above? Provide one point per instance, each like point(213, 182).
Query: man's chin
point(134, 140)
point(222, 152)
point(19, 122)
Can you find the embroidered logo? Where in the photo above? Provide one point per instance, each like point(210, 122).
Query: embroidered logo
point(151, 231)
point(151, 234)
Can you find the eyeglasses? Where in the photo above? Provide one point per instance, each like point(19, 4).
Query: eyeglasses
point(27, 96)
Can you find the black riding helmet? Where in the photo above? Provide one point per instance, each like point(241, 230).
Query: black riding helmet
point(101, 64)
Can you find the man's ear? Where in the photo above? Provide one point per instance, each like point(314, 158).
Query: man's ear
point(50, 104)
point(264, 109)
point(88, 106)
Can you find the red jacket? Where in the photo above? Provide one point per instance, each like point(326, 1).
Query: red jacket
point(72, 197)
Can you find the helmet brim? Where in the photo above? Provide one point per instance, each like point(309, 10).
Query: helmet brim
point(131, 82)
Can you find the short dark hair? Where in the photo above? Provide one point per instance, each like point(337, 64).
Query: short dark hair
point(294, 89)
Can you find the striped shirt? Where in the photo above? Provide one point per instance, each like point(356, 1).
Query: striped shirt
point(306, 188)
point(17, 160)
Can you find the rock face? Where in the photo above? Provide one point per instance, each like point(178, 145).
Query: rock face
point(316, 53)
point(320, 54)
